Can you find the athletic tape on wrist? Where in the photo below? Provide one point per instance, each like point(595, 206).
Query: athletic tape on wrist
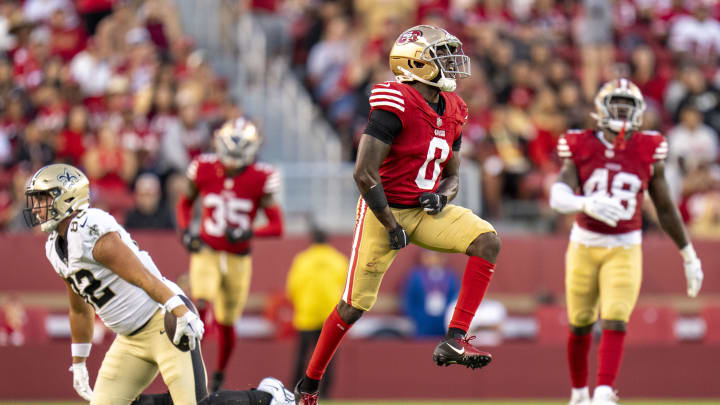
point(375, 198)
point(174, 302)
point(688, 253)
point(80, 349)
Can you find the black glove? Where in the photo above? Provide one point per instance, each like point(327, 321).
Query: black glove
point(235, 235)
point(398, 238)
point(433, 203)
point(192, 242)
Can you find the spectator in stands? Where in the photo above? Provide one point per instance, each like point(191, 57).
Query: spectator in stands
point(42, 10)
point(149, 213)
point(651, 78)
point(29, 59)
point(328, 59)
point(702, 95)
point(314, 285)
point(186, 137)
point(71, 143)
point(594, 30)
point(68, 36)
point(14, 318)
point(35, 147)
point(692, 145)
point(696, 36)
point(701, 202)
point(109, 165)
point(91, 69)
point(12, 201)
point(430, 287)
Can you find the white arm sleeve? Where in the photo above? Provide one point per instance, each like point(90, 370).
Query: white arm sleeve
point(564, 200)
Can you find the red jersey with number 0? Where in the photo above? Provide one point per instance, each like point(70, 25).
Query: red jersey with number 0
point(229, 202)
point(620, 173)
point(421, 150)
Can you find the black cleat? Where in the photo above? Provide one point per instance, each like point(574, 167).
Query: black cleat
point(305, 398)
point(460, 351)
point(217, 381)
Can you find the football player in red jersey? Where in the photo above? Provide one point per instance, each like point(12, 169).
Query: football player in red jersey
point(231, 187)
point(407, 172)
point(611, 167)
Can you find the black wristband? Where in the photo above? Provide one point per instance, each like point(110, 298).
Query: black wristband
point(375, 198)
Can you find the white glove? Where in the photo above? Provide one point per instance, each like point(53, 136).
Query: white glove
point(81, 380)
point(603, 208)
point(693, 270)
point(191, 326)
point(694, 277)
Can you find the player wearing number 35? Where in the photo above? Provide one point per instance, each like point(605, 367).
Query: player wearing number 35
point(611, 167)
point(407, 171)
point(107, 274)
point(231, 187)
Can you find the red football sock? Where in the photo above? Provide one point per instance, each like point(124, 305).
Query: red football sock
point(227, 344)
point(578, 348)
point(333, 331)
point(476, 279)
point(609, 356)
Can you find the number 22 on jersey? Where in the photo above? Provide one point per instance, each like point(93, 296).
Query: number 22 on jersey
point(624, 189)
point(421, 180)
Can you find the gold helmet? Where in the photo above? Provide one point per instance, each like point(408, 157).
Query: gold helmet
point(619, 105)
point(237, 142)
point(53, 194)
point(429, 55)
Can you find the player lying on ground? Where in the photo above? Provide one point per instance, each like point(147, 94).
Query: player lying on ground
point(407, 171)
point(270, 391)
point(232, 187)
point(106, 273)
point(611, 167)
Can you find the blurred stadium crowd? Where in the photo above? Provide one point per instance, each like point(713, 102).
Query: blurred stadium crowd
point(116, 87)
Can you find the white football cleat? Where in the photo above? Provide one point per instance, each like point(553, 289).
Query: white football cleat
point(604, 395)
point(580, 396)
point(273, 386)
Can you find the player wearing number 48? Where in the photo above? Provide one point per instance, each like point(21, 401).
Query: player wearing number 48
point(107, 274)
point(231, 187)
point(611, 167)
point(407, 171)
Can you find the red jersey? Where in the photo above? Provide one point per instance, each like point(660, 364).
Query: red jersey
point(418, 154)
point(622, 174)
point(229, 202)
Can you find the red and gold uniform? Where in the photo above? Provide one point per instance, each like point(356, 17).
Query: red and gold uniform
point(414, 165)
point(604, 263)
point(220, 271)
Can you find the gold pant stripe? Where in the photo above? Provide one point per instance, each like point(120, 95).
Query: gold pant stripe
point(602, 282)
point(357, 238)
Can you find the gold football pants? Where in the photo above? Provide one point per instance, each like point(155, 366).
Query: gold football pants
point(222, 279)
point(133, 362)
point(450, 231)
point(604, 279)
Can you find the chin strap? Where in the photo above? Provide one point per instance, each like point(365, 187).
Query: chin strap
point(444, 83)
point(619, 143)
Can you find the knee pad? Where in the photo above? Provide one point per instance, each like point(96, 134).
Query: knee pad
point(582, 318)
point(617, 311)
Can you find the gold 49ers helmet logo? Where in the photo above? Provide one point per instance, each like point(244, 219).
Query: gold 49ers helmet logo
point(409, 36)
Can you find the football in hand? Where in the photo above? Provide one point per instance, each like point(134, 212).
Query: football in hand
point(171, 323)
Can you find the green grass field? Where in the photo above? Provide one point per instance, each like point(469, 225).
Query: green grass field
point(559, 402)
